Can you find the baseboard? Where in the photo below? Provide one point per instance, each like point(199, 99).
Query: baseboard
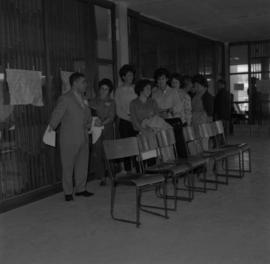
point(29, 197)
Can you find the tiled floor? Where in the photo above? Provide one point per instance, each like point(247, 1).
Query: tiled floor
point(229, 226)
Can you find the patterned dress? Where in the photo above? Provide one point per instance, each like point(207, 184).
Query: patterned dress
point(186, 111)
point(199, 115)
point(105, 110)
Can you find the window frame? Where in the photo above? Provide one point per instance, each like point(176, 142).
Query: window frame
point(113, 61)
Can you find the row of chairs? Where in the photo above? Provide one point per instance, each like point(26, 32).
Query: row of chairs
point(158, 165)
point(214, 134)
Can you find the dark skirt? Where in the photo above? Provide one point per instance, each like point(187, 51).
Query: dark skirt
point(177, 125)
point(126, 130)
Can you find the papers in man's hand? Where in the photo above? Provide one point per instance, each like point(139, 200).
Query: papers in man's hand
point(95, 131)
point(49, 137)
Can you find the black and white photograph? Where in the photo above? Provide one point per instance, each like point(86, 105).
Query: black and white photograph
point(134, 132)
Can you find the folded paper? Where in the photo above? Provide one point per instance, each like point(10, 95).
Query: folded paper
point(49, 137)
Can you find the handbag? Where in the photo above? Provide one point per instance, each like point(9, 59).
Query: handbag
point(156, 123)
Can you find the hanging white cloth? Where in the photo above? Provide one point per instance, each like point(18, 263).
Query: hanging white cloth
point(65, 81)
point(25, 87)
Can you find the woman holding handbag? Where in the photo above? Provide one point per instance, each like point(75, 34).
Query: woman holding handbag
point(104, 108)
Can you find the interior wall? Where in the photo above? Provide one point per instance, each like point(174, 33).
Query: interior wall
point(154, 44)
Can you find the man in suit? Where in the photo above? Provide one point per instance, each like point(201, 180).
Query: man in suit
point(222, 104)
point(74, 115)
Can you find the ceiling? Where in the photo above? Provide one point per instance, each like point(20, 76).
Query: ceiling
point(223, 20)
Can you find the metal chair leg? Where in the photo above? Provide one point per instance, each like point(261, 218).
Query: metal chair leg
point(165, 199)
point(138, 206)
point(191, 186)
point(113, 191)
point(160, 194)
point(204, 183)
point(240, 169)
point(241, 166)
point(206, 180)
point(249, 160)
point(226, 171)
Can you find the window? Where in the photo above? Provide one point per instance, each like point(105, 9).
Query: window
point(239, 68)
point(105, 71)
point(104, 32)
point(239, 59)
point(104, 15)
point(239, 89)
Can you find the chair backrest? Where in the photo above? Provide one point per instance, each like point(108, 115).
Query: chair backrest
point(121, 148)
point(166, 143)
point(194, 147)
point(214, 131)
point(189, 134)
point(148, 146)
point(219, 127)
point(193, 144)
point(166, 138)
point(206, 130)
point(220, 136)
point(207, 135)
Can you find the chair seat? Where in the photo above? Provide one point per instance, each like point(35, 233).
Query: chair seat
point(139, 179)
point(243, 146)
point(149, 179)
point(196, 161)
point(235, 148)
point(217, 155)
point(230, 150)
point(173, 167)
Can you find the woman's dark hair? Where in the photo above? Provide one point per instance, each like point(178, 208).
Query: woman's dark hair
point(184, 79)
point(160, 72)
point(177, 77)
point(107, 82)
point(200, 79)
point(125, 69)
point(75, 76)
point(141, 84)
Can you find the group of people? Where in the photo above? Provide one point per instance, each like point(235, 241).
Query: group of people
point(141, 106)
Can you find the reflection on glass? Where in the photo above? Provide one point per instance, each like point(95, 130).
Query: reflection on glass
point(104, 32)
point(239, 89)
point(239, 68)
point(256, 67)
point(238, 58)
point(260, 50)
point(256, 75)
